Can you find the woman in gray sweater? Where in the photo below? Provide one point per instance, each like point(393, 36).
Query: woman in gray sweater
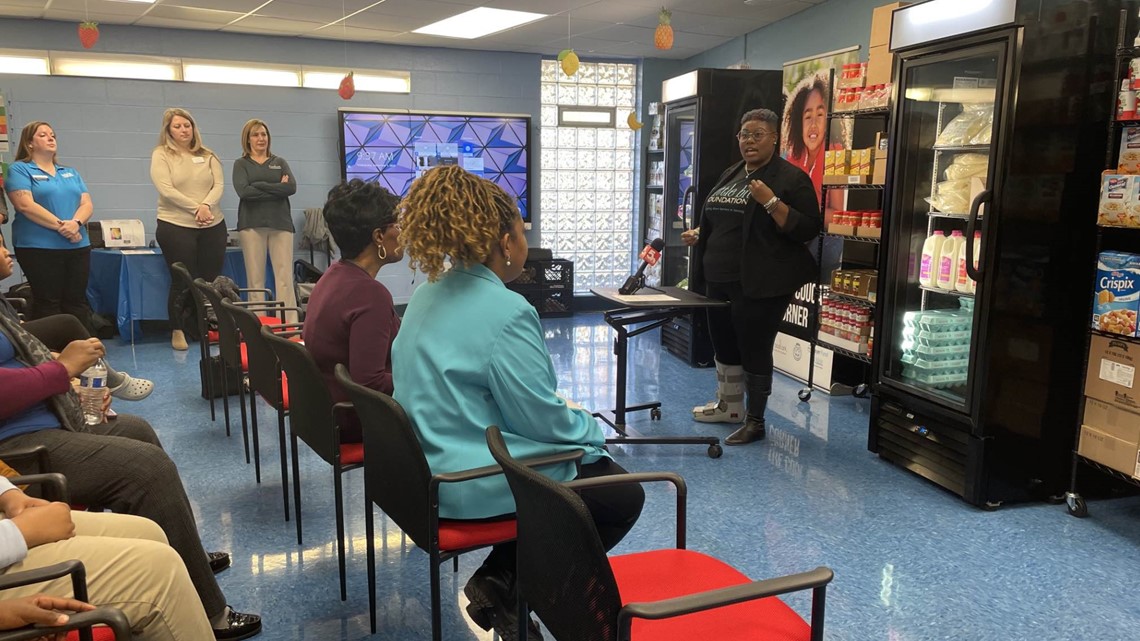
point(264, 183)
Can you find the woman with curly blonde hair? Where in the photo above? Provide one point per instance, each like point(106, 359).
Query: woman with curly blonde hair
point(471, 353)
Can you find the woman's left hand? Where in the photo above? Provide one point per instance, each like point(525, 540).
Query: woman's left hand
point(69, 229)
point(761, 193)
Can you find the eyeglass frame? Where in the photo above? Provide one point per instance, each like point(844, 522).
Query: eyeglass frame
point(745, 136)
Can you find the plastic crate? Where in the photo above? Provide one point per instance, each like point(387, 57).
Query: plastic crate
point(555, 273)
point(551, 303)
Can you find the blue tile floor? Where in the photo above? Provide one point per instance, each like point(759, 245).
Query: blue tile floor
point(911, 562)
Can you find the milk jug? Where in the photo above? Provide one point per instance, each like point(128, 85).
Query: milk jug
point(977, 256)
point(947, 258)
point(931, 250)
point(963, 283)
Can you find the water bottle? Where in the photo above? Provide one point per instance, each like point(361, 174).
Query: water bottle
point(92, 392)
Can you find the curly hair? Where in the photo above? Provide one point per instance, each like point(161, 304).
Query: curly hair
point(794, 116)
point(355, 209)
point(449, 212)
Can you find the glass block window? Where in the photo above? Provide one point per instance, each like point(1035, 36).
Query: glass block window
point(587, 173)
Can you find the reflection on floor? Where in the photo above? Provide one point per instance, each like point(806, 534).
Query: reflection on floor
point(911, 561)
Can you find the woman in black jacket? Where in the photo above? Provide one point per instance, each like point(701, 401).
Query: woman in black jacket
point(752, 252)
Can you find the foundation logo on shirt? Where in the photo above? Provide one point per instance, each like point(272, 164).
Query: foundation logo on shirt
point(733, 195)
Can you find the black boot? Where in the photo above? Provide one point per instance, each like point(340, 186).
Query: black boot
point(759, 389)
point(493, 603)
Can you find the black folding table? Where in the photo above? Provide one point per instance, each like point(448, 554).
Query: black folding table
point(654, 312)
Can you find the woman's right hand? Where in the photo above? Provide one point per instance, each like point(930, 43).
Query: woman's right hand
point(79, 355)
point(204, 215)
point(691, 236)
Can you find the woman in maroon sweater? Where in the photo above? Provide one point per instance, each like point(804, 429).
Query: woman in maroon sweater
point(350, 318)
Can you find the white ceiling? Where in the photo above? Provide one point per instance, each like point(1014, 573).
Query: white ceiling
point(601, 28)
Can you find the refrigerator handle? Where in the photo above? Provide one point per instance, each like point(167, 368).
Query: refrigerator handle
point(687, 208)
point(971, 225)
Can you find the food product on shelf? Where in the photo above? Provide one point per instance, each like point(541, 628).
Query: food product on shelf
point(931, 251)
point(947, 255)
point(962, 282)
point(967, 166)
point(1119, 201)
point(971, 127)
point(1117, 293)
point(936, 345)
point(1128, 160)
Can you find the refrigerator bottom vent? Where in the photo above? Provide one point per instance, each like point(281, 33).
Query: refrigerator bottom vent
point(935, 453)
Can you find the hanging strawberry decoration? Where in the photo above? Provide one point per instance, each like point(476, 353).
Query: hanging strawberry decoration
point(347, 87)
point(88, 34)
point(663, 36)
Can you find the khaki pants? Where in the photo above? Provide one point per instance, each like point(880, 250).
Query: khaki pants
point(129, 566)
point(279, 244)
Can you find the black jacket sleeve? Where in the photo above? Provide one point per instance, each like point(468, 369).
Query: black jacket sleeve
point(804, 221)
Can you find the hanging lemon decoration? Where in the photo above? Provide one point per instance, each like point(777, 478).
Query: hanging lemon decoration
point(569, 61)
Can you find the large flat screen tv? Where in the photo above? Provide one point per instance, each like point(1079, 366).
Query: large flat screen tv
point(394, 147)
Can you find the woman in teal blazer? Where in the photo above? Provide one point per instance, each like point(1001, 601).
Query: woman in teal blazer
point(470, 354)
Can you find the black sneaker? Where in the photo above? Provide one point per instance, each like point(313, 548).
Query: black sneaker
point(218, 561)
point(239, 625)
point(491, 606)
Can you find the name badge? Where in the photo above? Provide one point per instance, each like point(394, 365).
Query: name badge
point(199, 159)
point(275, 166)
point(67, 175)
point(40, 177)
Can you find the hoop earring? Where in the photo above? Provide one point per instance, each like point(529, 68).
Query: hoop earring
point(383, 253)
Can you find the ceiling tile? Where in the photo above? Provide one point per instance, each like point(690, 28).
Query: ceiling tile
point(242, 6)
point(274, 25)
point(76, 9)
point(211, 16)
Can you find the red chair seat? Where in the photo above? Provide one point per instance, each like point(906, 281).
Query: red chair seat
point(98, 633)
point(664, 574)
point(214, 337)
point(463, 535)
point(352, 453)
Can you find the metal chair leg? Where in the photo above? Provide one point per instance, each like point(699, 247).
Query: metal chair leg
point(370, 534)
point(338, 490)
point(284, 459)
point(225, 398)
point(296, 486)
point(436, 619)
point(244, 418)
point(256, 444)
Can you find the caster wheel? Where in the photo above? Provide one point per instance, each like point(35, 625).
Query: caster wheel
point(805, 395)
point(715, 451)
point(655, 414)
point(1076, 505)
point(861, 390)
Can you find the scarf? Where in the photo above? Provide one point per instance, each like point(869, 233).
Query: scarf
point(32, 352)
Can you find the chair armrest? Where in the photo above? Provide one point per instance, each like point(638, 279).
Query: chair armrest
point(37, 456)
point(275, 328)
point(47, 573)
point(293, 332)
point(492, 470)
point(255, 290)
point(106, 615)
point(816, 579)
point(645, 477)
point(256, 304)
point(54, 481)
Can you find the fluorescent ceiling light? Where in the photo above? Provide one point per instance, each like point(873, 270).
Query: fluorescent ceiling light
point(395, 82)
point(142, 1)
point(110, 67)
point(234, 75)
point(477, 23)
point(31, 65)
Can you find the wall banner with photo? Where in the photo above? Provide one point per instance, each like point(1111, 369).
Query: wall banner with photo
point(803, 140)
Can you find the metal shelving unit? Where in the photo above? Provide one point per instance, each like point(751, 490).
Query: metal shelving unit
point(1074, 502)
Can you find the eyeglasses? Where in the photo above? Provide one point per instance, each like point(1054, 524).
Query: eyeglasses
point(753, 135)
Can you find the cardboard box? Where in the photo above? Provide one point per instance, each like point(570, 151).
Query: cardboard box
point(1108, 450)
point(1119, 201)
point(881, 24)
point(1116, 422)
point(842, 230)
point(829, 163)
point(1111, 375)
point(1116, 295)
point(842, 162)
point(1128, 160)
point(869, 232)
point(879, 173)
point(846, 180)
point(880, 65)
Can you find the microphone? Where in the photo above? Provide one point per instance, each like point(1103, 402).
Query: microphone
point(649, 256)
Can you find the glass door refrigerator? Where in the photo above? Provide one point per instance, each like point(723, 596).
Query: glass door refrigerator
point(997, 139)
point(702, 115)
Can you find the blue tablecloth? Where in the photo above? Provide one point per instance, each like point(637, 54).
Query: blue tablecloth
point(134, 287)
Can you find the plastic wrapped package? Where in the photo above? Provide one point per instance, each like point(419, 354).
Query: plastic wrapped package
point(971, 127)
point(951, 196)
point(967, 166)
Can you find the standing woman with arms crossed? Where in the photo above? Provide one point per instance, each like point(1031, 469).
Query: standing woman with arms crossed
point(49, 231)
point(191, 228)
point(264, 183)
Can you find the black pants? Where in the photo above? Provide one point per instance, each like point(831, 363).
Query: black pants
point(203, 251)
point(745, 332)
point(57, 331)
point(615, 510)
point(58, 278)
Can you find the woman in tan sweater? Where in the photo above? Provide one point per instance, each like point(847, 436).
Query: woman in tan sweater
point(191, 227)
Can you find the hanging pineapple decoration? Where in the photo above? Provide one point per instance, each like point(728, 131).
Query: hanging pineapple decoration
point(663, 36)
point(569, 61)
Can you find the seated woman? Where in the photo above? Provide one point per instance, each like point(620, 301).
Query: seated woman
point(57, 331)
point(471, 354)
point(128, 562)
point(351, 318)
point(39, 408)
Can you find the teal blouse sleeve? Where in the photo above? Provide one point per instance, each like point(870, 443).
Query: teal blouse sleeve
point(524, 386)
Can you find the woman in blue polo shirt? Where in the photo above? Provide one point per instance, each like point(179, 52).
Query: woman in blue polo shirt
point(49, 229)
